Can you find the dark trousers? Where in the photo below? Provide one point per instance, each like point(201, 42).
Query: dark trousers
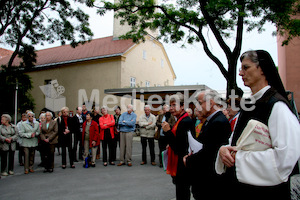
point(64, 154)
point(11, 156)
point(182, 182)
point(41, 149)
point(182, 190)
point(21, 154)
point(48, 153)
point(78, 141)
point(68, 141)
point(116, 140)
point(144, 149)
point(108, 142)
point(162, 144)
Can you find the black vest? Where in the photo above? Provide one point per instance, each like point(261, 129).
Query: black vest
point(261, 112)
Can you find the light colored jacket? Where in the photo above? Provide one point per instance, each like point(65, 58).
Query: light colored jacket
point(145, 129)
point(25, 132)
point(10, 132)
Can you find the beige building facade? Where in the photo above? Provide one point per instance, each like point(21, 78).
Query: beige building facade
point(77, 75)
point(66, 76)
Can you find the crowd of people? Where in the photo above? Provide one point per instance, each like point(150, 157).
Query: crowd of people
point(231, 155)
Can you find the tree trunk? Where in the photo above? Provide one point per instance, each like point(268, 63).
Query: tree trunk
point(231, 81)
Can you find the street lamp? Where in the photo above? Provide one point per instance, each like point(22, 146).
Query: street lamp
point(16, 102)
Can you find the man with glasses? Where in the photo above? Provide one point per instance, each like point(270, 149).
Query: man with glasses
point(214, 133)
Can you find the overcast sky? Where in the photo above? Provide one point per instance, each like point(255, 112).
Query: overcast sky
point(191, 64)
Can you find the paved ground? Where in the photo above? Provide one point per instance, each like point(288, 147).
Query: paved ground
point(138, 182)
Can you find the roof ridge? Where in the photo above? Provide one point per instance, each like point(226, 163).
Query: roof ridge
point(96, 48)
point(68, 45)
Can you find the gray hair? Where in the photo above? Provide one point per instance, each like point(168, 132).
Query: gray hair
point(189, 110)
point(147, 106)
point(251, 55)
point(178, 98)
point(210, 95)
point(30, 112)
point(104, 107)
point(64, 108)
point(7, 116)
point(50, 113)
point(43, 115)
point(130, 105)
point(166, 105)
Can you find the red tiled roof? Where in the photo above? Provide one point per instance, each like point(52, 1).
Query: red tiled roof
point(97, 48)
point(5, 52)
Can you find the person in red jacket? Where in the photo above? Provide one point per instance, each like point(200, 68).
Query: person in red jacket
point(107, 135)
point(90, 138)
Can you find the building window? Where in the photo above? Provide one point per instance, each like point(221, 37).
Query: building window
point(147, 83)
point(47, 81)
point(162, 63)
point(132, 82)
point(144, 54)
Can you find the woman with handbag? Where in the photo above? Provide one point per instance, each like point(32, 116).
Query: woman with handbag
point(107, 135)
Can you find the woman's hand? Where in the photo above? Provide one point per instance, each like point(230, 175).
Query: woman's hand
point(66, 131)
point(166, 126)
point(227, 155)
point(8, 140)
point(184, 159)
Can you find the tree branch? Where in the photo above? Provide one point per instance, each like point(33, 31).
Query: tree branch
point(240, 28)
point(198, 33)
point(214, 29)
point(23, 34)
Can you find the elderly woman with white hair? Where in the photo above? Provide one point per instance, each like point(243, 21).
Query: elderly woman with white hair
point(107, 135)
point(49, 138)
point(8, 142)
point(29, 131)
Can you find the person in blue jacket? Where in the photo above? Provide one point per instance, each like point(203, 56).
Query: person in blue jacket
point(127, 127)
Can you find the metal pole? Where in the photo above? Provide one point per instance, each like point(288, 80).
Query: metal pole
point(16, 103)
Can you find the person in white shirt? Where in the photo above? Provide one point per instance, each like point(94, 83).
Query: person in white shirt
point(262, 174)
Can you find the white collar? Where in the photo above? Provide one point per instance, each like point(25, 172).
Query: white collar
point(261, 92)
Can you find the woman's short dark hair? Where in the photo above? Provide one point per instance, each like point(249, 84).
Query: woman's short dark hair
point(116, 107)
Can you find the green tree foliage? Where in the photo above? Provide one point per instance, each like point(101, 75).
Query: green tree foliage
point(27, 23)
point(24, 24)
point(190, 19)
point(8, 79)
